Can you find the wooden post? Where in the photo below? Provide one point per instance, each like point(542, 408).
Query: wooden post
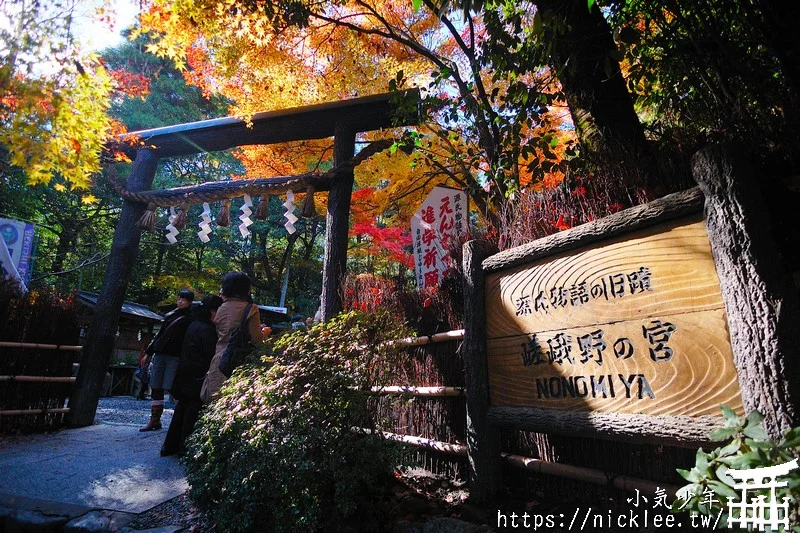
point(762, 306)
point(483, 441)
point(338, 223)
point(102, 330)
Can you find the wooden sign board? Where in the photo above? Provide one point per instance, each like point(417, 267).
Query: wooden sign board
point(634, 324)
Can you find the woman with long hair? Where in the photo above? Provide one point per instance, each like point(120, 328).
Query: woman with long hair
point(236, 297)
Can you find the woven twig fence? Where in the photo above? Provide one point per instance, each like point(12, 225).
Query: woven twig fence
point(428, 402)
point(425, 405)
point(38, 337)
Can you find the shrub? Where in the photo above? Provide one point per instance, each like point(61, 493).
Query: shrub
point(277, 451)
point(710, 486)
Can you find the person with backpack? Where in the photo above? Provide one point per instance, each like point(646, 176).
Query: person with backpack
point(166, 352)
point(237, 312)
point(199, 347)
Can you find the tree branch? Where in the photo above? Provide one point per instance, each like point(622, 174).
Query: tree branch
point(88, 262)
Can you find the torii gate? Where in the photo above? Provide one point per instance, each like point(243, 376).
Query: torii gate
point(342, 120)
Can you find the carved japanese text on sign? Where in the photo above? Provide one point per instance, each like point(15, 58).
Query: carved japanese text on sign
point(632, 325)
point(612, 286)
point(436, 228)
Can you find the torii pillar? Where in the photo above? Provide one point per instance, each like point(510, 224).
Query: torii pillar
point(337, 223)
point(101, 337)
point(342, 120)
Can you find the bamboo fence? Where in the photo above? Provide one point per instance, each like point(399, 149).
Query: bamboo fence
point(428, 412)
point(576, 473)
point(39, 345)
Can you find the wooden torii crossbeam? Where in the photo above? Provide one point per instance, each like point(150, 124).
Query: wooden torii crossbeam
point(220, 190)
point(342, 120)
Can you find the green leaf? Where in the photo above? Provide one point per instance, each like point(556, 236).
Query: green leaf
point(416, 4)
point(722, 474)
point(746, 459)
point(722, 489)
point(792, 438)
point(701, 461)
point(756, 432)
point(728, 414)
point(720, 434)
point(730, 449)
point(537, 21)
point(754, 418)
point(689, 475)
point(763, 444)
point(590, 4)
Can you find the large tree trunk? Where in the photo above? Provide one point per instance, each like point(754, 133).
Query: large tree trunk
point(583, 57)
point(338, 224)
point(100, 340)
point(760, 299)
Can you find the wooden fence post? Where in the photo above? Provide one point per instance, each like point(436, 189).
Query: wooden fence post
point(483, 441)
point(761, 303)
point(101, 335)
point(338, 223)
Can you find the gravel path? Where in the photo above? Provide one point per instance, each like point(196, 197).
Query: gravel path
point(128, 411)
point(177, 512)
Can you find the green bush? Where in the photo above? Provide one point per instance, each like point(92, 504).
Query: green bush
point(748, 446)
point(277, 451)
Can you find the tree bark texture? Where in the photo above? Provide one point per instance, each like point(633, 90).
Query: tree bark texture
point(338, 223)
point(483, 441)
point(584, 59)
point(760, 300)
point(100, 338)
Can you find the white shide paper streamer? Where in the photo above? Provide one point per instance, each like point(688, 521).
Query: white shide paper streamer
point(205, 227)
point(172, 231)
point(245, 216)
point(290, 218)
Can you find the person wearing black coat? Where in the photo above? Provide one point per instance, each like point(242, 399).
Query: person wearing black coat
point(166, 350)
point(198, 349)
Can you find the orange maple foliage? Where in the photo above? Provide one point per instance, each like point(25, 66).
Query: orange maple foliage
point(130, 84)
point(236, 51)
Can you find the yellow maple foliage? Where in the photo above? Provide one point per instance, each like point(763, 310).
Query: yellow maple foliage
point(53, 97)
point(58, 125)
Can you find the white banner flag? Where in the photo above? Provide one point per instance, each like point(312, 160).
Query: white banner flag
point(436, 228)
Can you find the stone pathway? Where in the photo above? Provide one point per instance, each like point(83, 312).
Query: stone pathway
point(97, 478)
